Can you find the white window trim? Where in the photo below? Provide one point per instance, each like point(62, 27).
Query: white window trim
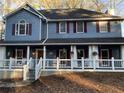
point(17, 54)
point(104, 50)
point(83, 52)
point(100, 28)
point(60, 28)
point(62, 50)
point(17, 32)
point(77, 27)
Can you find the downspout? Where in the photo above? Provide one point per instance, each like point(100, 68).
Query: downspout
point(46, 34)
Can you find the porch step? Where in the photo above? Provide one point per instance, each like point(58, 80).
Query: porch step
point(31, 74)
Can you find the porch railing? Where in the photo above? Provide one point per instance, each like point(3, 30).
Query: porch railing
point(12, 63)
point(73, 64)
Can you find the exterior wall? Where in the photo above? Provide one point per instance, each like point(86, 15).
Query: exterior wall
point(91, 31)
point(29, 17)
point(11, 74)
point(44, 30)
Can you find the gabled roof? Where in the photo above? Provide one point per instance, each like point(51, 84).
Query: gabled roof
point(78, 13)
point(25, 7)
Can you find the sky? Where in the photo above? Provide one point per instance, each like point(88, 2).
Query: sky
point(119, 7)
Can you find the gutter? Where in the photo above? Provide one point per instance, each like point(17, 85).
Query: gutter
point(46, 34)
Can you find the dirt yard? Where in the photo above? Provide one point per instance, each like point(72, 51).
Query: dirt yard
point(74, 83)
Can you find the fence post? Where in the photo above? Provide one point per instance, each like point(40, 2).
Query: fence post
point(44, 63)
point(82, 60)
point(72, 63)
point(36, 72)
point(94, 64)
point(113, 67)
point(25, 72)
point(10, 63)
point(57, 63)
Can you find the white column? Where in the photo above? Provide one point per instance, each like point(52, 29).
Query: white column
point(2, 53)
point(44, 56)
point(90, 52)
point(122, 54)
point(93, 48)
point(72, 55)
point(75, 56)
point(28, 53)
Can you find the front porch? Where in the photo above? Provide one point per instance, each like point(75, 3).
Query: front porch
point(34, 59)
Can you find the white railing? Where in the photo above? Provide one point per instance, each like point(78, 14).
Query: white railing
point(73, 64)
point(26, 68)
point(12, 63)
point(38, 68)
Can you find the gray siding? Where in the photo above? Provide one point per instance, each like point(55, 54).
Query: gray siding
point(29, 17)
point(91, 31)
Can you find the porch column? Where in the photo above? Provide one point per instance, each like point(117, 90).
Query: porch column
point(122, 54)
point(75, 56)
point(28, 52)
point(72, 56)
point(44, 56)
point(93, 48)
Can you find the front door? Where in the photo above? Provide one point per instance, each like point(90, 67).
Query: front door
point(39, 53)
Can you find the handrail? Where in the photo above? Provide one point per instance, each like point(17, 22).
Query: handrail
point(38, 69)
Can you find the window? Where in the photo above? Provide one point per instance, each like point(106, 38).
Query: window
point(80, 27)
point(21, 27)
point(63, 53)
point(62, 27)
point(80, 53)
point(19, 53)
point(105, 53)
point(103, 27)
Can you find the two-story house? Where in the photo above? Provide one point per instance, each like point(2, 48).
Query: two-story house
point(66, 34)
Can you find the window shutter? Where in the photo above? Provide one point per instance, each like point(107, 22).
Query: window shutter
point(85, 26)
point(97, 26)
point(30, 29)
point(108, 25)
point(13, 29)
point(57, 27)
point(74, 27)
point(68, 27)
point(27, 29)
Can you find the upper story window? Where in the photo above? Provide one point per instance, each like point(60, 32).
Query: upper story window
point(22, 28)
point(103, 26)
point(63, 27)
point(80, 27)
